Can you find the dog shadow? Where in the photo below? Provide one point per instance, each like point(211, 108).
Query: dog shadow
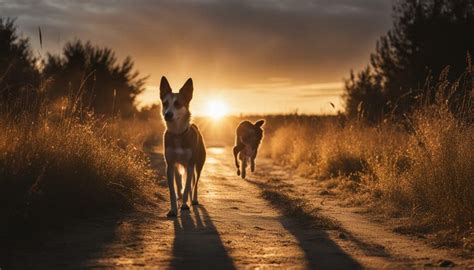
point(197, 242)
point(76, 244)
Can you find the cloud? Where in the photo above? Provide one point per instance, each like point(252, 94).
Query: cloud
point(220, 43)
point(236, 39)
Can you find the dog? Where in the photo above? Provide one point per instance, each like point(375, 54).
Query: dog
point(248, 137)
point(183, 144)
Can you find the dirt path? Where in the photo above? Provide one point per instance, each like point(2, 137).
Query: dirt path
point(234, 227)
point(372, 243)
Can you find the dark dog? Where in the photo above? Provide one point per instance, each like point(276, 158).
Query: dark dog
point(248, 137)
point(184, 145)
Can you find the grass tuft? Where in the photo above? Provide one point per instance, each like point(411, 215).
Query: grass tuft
point(54, 166)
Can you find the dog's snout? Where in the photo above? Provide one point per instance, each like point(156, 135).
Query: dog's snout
point(168, 116)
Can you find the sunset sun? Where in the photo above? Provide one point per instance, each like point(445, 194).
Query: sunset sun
point(216, 109)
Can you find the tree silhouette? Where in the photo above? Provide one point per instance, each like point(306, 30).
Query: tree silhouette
point(105, 86)
point(426, 36)
point(366, 99)
point(18, 73)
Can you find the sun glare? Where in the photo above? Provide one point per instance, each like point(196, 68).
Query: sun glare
point(216, 109)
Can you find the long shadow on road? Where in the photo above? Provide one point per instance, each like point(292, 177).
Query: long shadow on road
point(320, 250)
point(197, 242)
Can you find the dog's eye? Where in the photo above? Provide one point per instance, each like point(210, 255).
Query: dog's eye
point(177, 104)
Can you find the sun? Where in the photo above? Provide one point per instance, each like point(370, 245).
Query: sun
point(216, 109)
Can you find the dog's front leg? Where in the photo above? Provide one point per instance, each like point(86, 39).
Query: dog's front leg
point(179, 183)
point(187, 187)
point(194, 198)
point(170, 178)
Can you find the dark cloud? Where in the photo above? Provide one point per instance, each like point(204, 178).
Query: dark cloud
point(221, 43)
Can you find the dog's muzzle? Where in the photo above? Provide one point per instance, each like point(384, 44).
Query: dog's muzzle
point(168, 116)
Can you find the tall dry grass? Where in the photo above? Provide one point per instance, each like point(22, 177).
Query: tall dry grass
point(421, 167)
point(57, 162)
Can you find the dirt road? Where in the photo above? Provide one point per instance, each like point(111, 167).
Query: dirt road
point(234, 227)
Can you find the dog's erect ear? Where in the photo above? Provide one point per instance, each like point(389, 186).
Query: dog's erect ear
point(187, 90)
point(259, 123)
point(165, 87)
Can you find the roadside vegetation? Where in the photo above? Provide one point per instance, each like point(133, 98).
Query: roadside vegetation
point(403, 146)
point(64, 166)
point(421, 168)
point(72, 139)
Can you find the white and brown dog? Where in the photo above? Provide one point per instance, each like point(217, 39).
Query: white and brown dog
point(248, 137)
point(183, 143)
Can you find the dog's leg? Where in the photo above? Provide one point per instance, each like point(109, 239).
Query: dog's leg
point(252, 164)
point(244, 166)
point(236, 151)
point(191, 191)
point(170, 177)
point(179, 183)
point(187, 187)
point(194, 200)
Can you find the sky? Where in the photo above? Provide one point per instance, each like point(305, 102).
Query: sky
point(257, 56)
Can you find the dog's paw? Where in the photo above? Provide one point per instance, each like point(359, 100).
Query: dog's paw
point(238, 172)
point(171, 213)
point(195, 202)
point(184, 207)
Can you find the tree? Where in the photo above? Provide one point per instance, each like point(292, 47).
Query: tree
point(366, 100)
point(18, 72)
point(93, 74)
point(426, 36)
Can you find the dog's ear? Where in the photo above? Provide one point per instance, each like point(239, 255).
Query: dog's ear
point(187, 90)
point(259, 123)
point(165, 87)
